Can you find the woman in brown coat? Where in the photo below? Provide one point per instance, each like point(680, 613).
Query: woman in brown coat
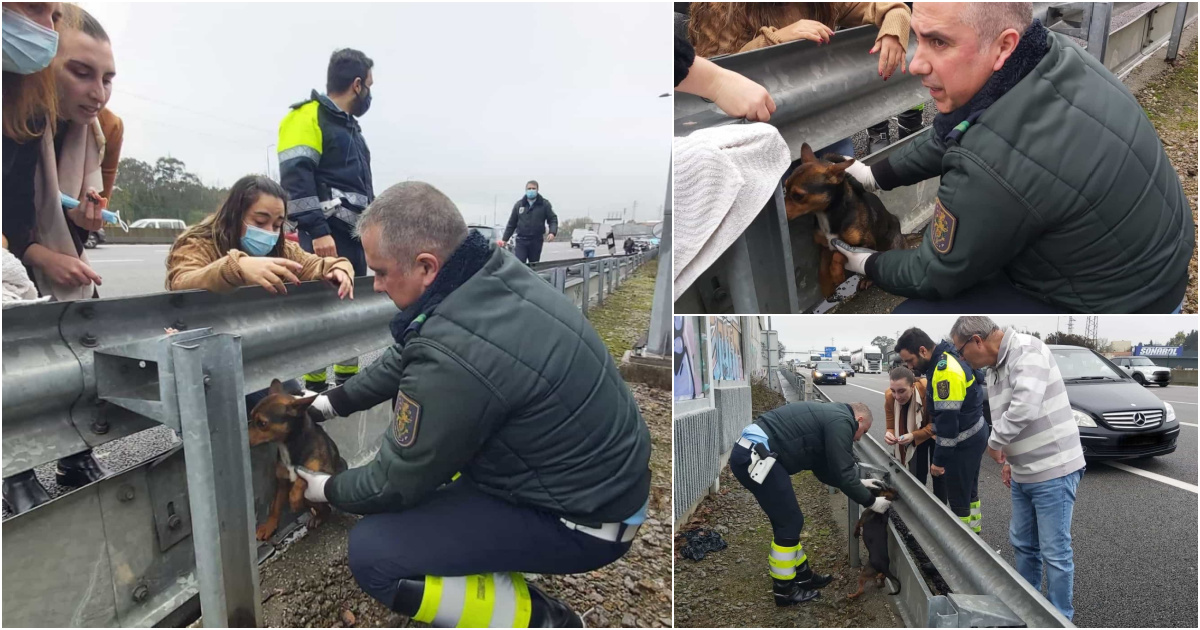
point(243, 245)
point(908, 424)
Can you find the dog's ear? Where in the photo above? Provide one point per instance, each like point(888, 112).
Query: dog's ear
point(806, 154)
point(276, 386)
point(300, 405)
point(837, 172)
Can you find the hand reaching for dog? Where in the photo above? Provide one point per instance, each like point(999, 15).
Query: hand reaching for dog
point(891, 54)
point(270, 273)
point(856, 257)
point(880, 505)
point(342, 281)
point(315, 492)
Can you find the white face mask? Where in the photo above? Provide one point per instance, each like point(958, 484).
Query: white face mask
point(28, 46)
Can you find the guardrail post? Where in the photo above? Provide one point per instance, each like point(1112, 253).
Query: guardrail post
point(212, 414)
point(1177, 30)
point(587, 287)
point(1098, 27)
point(600, 289)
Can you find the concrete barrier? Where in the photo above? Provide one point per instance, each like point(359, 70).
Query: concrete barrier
point(1181, 376)
point(140, 236)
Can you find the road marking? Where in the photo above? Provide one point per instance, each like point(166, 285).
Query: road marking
point(1189, 424)
point(866, 388)
point(116, 260)
point(1155, 476)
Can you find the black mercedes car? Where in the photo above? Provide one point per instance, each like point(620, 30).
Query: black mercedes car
point(1117, 417)
point(828, 372)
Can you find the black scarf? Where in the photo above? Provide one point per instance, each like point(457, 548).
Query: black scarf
point(1029, 52)
point(465, 262)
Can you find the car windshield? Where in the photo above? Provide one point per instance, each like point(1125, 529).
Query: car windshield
point(1143, 361)
point(845, 366)
point(874, 356)
point(1081, 364)
point(826, 366)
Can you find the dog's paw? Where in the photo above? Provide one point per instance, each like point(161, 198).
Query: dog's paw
point(264, 531)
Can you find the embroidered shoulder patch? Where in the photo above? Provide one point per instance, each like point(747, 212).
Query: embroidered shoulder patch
point(408, 419)
point(944, 225)
point(943, 389)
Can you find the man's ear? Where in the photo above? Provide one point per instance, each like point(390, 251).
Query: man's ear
point(429, 266)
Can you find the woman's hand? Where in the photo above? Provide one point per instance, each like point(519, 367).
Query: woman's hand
point(889, 437)
point(87, 214)
point(742, 98)
point(811, 30)
point(891, 54)
point(341, 280)
point(270, 273)
point(61, 269)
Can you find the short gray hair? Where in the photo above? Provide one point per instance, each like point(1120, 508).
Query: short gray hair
point(863, 410)
point(989, 19)
point(414, 218)
point(970, 325)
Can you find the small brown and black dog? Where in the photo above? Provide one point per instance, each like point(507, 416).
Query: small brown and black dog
point(843, 209)
point(872, 526)
point(284, 419)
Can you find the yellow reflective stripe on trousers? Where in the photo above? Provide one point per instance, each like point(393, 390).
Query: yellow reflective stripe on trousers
point(315, 377)
point(478, 603)
point(342, 368)
point(430, 600)
point(524, 603)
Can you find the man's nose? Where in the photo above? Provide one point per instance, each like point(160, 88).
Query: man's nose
point(919, 66)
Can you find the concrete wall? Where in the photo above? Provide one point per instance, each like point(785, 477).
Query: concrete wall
point(703, 440)
point(1183, 377)
point(144, 236)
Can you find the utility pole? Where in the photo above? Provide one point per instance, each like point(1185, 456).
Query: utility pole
point(495, 200)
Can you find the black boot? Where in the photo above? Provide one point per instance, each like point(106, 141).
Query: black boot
point(908, 123)
point(315, 387)
point(78, 470)
point(790, 593)
point(549, 612)
point(23, 492)
point(878, 137)
point(805, 577)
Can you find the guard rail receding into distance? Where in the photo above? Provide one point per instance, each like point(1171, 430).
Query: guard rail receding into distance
point(137, 547)
point(829, 92)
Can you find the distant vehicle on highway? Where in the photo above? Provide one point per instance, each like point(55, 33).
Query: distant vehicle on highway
point(1144, 371)
point(94, 239)
point(867, 359)
point(1117, 417)
point(160, 224)
point(828, 372)
point(577, 235)
point(846, 366)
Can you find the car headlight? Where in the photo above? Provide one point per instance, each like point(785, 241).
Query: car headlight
point(816, 375)
point(1170, 413)
point(843, 375)
point(1082, 419)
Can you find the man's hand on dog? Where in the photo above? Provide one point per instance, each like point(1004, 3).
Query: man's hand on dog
point(322, 405)
point(315, 492)
point(872, 483)
point(856, 257)
point(862, 173)
point(342, 281)
point(880, 505)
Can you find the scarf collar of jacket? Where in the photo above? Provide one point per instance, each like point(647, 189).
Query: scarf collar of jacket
point(464, 263)
point(1029, 52)
point(915, 419)
point(943, 347)
point(333, 108)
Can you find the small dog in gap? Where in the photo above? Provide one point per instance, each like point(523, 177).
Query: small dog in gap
point(872, 526)
point(285, 420)
point(843, 209)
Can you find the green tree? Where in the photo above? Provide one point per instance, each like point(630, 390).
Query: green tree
point(164, 190)
point(1178, 340)
point(1189, 342)
point(1066, 339)
point(884, 343)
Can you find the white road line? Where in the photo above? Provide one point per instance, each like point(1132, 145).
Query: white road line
point(1189, 424)
point(1155, 476)
point(866, 388)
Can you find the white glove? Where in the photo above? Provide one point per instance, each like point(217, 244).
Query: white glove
point(863, 174)
point(880, 505)
point(315, 492)
point(323, 405)
point(872, 483)
point(856, 257)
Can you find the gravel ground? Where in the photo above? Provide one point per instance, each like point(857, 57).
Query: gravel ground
point(307, 582)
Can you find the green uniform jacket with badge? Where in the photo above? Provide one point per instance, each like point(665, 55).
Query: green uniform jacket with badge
point(506, 382)
point(819, 437)
point(1061, 183)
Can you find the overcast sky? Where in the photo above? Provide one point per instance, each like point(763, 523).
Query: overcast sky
point(472, 98)
point(802, 333)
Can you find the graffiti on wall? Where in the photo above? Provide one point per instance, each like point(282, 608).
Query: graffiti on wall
point(688, 363)
point(725, 349)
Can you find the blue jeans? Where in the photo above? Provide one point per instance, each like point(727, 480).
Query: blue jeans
point(589, 253)
point(1041, 530)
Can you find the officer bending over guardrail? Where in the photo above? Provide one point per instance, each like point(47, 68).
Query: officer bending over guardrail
point(814, 436)
point(516, 447)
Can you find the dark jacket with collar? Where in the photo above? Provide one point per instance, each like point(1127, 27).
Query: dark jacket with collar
point(959, 412)
point(529, 219)
point(819, 437)
point(1053, 176)
point(322, 149)
point(498, 376)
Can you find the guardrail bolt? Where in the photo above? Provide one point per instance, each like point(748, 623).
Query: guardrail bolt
point(100, 427)
point(173, 522)
point(126, 494)
point(207, 381)
point(89, 341)
point(141, 593)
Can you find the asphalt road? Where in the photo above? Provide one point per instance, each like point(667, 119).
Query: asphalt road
point(128, 270)
point(1134, 536)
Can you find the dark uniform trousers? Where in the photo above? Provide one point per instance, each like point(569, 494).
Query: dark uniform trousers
point(348, 247)
point(775, 495)
point(529, 250)
point(962, 474)
point(459, 530)
point(918, 464)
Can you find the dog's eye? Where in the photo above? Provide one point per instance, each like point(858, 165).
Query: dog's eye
point(797, 196)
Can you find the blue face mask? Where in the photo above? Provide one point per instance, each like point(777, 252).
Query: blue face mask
point(259, 242)
point(28, 46)
point(531, 194)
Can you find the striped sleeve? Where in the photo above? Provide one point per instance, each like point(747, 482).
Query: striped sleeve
point(300, 143)
point(1023, 397)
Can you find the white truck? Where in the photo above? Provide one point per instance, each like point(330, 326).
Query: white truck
point(867, 360)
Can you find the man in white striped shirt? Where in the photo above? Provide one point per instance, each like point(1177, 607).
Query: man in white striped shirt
point(1035, 438)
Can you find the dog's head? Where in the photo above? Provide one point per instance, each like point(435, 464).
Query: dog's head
point(275, 417)
point(887, 492)
point(811, 187)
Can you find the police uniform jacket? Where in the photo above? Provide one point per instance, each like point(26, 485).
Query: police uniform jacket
point(818, 437)
point(1054, 176)
point(529, 219)
point(497, 376)
point(322, 156)
point(957, 398)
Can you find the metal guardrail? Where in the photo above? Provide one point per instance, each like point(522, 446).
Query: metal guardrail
point(80, 374)
point(574, 278)
point(985, 590)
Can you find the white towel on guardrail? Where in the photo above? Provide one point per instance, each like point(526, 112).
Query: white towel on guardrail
point(722, 179)
point(17, 285)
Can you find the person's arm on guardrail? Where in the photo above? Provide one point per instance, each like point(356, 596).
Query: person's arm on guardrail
point(892, 19)
point(978, 227)
point(443, 414)
point(733, 93)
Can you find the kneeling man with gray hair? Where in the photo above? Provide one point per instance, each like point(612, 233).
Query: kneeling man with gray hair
point(515, 446)
point(1035, 438)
